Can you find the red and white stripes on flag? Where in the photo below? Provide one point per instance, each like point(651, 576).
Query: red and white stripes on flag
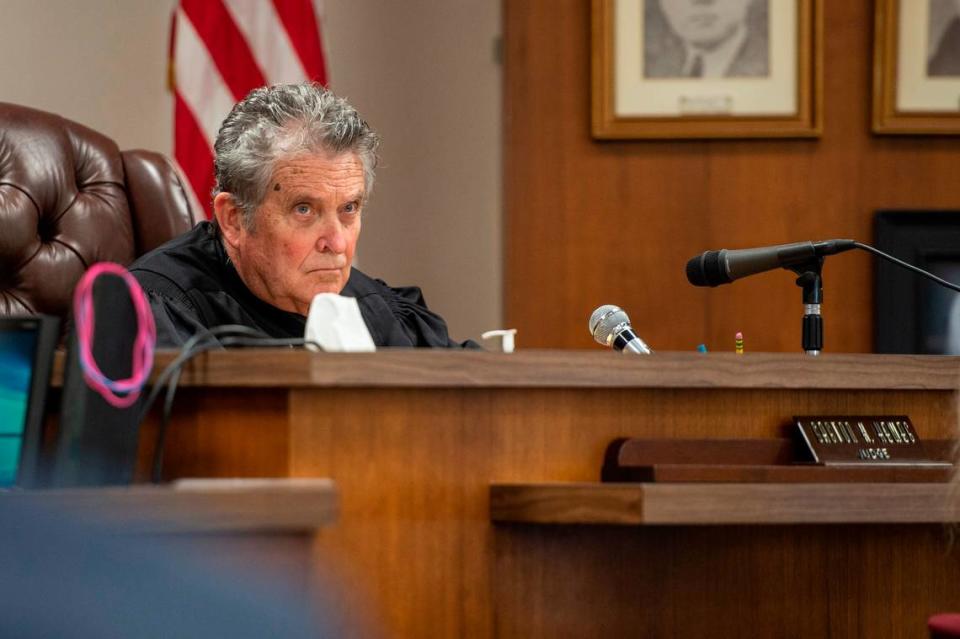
point(219, 51)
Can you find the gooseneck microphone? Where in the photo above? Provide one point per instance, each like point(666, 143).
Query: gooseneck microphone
point(610, 326)
point(714, 268)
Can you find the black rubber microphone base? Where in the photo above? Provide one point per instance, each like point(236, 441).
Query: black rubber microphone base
point(813, 334)
point(626, 341)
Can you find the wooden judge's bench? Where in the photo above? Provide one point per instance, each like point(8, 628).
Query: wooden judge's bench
point(470, 501)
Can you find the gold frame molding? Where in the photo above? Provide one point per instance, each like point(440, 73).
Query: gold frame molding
point(886, 118)
point(806, 123)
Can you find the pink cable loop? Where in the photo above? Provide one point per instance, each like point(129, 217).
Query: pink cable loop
point(121, 393)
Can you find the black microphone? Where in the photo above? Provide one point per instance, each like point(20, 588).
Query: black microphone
point(714, 268)
point(610, 326)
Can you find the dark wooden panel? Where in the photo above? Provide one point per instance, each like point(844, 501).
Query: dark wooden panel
point(782, 460)
point(589, 223)
point(845, 582)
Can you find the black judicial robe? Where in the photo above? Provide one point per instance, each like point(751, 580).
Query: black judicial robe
point(192, 286)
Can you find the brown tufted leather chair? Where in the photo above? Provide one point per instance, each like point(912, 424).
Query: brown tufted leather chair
point(69, 198)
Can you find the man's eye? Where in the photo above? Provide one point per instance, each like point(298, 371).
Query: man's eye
point(352, 207)
point(302, 209)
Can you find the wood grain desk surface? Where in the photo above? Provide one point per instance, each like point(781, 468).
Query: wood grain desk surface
point(441, 368)
point(199, 505)
point(712, 504)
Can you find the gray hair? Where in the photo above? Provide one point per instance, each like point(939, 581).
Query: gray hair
point(283, 120)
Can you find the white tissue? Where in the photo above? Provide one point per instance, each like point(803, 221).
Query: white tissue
point(335, 324)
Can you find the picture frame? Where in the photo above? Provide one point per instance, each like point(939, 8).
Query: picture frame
point(636, 95)
point(916, 79)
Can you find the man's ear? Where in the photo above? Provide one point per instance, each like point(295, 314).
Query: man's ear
point(229, 218)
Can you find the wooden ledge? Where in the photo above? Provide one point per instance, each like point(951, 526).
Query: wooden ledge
point(599, 368)
point(715, 504)
point(199, 505)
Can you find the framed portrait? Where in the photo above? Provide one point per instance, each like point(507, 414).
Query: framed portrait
point(916, 67)
point(693, 69)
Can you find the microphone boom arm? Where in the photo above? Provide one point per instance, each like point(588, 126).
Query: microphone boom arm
point(713, 268)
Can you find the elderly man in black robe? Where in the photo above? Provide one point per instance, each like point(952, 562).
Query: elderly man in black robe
point(294, 168)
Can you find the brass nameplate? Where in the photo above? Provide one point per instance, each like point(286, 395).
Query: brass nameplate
point(859, 440)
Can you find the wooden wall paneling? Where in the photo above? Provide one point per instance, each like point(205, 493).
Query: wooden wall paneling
point(412, 498)
point(911, 562)
point(591, 222)
point(854, 581)
point(413, 468)
point(222, 433)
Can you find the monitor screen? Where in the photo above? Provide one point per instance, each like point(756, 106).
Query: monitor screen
point(911, 313)
point(25, 352)
point(940, 310)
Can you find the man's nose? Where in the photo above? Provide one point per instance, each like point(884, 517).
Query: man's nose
point(332, 238)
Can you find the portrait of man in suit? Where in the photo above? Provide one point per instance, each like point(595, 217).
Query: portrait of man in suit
point(706, 39)
point(944, 33)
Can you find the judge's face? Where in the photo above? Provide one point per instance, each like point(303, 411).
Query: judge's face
point(704, 23)
point(304, 234)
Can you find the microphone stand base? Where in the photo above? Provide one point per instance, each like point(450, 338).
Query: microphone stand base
point(811, 282)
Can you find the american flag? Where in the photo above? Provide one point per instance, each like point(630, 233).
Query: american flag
point(219, 51)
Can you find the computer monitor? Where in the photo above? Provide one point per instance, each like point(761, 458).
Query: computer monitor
point(27, 344)
point(913, 314)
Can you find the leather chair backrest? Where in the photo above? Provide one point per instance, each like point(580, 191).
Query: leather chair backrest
point(70, 198)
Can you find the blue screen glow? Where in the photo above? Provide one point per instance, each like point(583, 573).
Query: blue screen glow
point(16, 372)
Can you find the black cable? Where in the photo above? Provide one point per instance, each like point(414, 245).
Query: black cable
point(909, 267)
point(185, 355)
point(172, 370)
point(175, 380)
point(191, 349)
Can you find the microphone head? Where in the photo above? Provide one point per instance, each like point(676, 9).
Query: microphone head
point(605, 320)
point(708, 270)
